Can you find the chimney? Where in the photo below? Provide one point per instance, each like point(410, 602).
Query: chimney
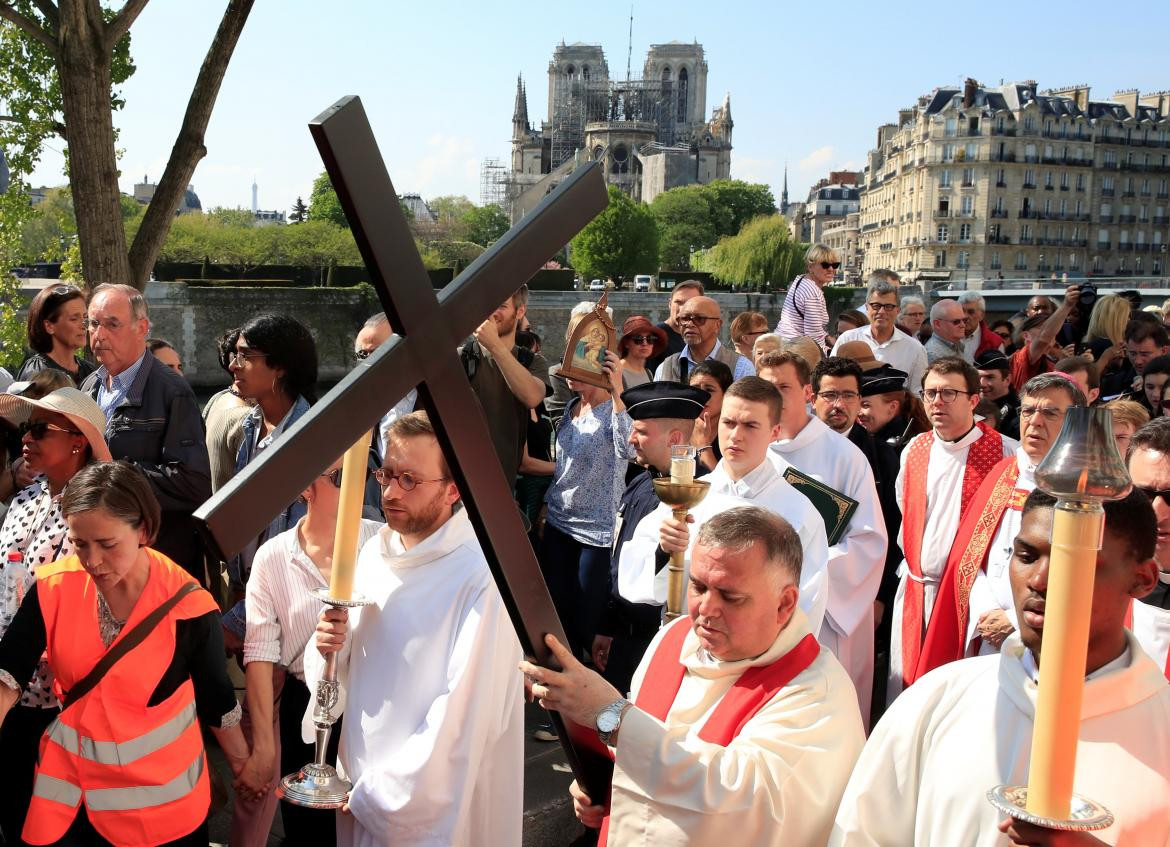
point(1128, 99)
point(970, 87)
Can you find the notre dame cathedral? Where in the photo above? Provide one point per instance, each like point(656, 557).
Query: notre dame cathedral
point(650, 134)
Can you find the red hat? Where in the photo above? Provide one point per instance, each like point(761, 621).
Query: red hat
point(640, 325)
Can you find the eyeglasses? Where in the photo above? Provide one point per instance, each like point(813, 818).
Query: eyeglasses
point(333, 476)
point(1154, 493)
point(39, 429)
point(883, 307)
point(109, 324)
point(1048, 413)
point(642, 339)
point(406, 480)
point(946, 395)
point(239, 357)
point(362, 355)
point(955, 321)
point(838, 396)
point(833, 265)
point(697, 320)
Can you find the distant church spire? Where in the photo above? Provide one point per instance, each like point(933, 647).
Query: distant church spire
point(784, 193)
point(520, 112)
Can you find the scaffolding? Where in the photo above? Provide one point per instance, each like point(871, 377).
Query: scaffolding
point(493, 183)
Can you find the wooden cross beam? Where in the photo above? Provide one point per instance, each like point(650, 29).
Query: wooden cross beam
point(424, 354)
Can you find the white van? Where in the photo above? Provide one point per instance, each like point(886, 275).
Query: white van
point(642, 282)
point(597, 285)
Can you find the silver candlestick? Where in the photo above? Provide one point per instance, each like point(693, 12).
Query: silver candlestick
point(317, 785)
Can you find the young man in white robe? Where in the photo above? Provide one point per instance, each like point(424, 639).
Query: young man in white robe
point(748, 422)
point(856, 560)
point(967, 726)
point(940, 472)
point(1149, 468)
point(743, 729)
point(433, 732)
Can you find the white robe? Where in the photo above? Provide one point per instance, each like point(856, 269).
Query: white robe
point(638, 582)
point(857, 559)
point(777, 783)
point(433, 737)
point(992, 588)
point(1151, 628)
point(944, 494)
point(966, 727)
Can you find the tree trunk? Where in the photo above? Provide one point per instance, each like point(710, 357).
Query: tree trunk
point(188, 149)
point(84, 71)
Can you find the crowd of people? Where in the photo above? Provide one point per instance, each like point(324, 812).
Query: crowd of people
point(856, 662)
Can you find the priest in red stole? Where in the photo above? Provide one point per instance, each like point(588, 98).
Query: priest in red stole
point(974, 611)
point(941, 472)
point(743, 729)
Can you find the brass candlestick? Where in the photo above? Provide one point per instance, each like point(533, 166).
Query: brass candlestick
point(681, 492)
point(1082, 470)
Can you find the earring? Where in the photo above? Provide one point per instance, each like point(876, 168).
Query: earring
point(76, 450)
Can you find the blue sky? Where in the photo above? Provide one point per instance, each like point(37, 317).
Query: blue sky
point(809, 83)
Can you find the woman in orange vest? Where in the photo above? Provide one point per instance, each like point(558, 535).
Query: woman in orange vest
point(137, 658)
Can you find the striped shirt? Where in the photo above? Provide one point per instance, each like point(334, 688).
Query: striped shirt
point(804, 312)
point(110, 398)
point(281, 612)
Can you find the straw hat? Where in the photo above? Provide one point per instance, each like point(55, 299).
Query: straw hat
point(859, 352)
point(77, 406)
point(804, 347)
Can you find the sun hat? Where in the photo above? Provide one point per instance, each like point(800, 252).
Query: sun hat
point(640, 325)
point(81, 410)
point(859, 352)
point(804, 347)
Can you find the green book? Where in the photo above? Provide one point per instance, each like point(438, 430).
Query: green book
point(836, 509)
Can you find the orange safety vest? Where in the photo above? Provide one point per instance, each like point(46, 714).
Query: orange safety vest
point(140, 770)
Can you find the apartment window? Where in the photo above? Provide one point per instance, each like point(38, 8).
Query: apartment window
point(1063, 207)
point(1048, 205)
point(948, 152)
point(965, 233)
point(1030, 152)
point(1026, 232)
point(999, 178)
point(1080, 182)
point(999, 205)
point(1029, 178)
point(1107, 183)
point(1080, 207)
point(1064, 181)
point(1111, 158)
point(968, 176)
point(964, 259)
point(944, 179)
point(1021, 261)
point(995, 262)
point(1103, 236)
point(940, 259)
point(967, 205)
point(943, 231)
point(971, 151)
point(1144, 214)
point(1048, 179)
point(1029, 124)
point(1098, 265)
point(950, 127)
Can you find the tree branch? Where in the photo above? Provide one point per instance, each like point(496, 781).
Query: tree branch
point(52, 18)
point(29, 27)
point(189, 147)
point(122, 22)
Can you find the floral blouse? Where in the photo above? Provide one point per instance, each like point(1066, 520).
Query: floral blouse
point(33, 527)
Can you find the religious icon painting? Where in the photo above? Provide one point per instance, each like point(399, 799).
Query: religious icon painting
point(585, 352)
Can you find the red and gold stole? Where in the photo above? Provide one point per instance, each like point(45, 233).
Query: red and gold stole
point(983, 454)
point(946, 631)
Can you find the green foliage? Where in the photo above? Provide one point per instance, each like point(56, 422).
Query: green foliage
point(299, 213)
point(323, 203)
point(224, 239)
point(14, 209)
point(483, 225)
point(456, 254)
point(694, 217)
point(761, 255)
point(685, 222)
point(450, 208)
point(619, 242)
point(49, 228)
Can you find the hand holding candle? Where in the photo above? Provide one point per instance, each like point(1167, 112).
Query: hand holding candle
point(349, 514)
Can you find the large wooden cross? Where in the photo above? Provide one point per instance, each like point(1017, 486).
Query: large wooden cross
point(424, 355)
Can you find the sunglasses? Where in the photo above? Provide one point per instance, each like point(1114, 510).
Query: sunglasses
point(39, 429)
point(642, 339)
point(1154, 493)
point(833, 265)
point(334, 476)
point(697, 320)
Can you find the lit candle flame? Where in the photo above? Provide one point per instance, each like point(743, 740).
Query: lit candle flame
point(1083, 481)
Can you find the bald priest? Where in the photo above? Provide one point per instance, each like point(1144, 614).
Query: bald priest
point(743, 729)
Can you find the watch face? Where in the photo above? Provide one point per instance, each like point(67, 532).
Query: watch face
point(607, 721)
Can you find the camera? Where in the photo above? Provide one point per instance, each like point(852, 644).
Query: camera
point(1088, 294)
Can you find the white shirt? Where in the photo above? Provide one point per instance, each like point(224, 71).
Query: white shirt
point(433, 737)
point(638, 582)
point(281, 612)
point(1151, 628)
point(967, 727)
point(776, 783)
point(900, 351)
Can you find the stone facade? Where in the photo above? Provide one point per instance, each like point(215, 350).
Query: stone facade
point(993, 184)
point(650, 134)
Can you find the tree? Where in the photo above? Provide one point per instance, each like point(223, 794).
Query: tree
point(762, 254)
point(450, 208)
point(734, 203)
point(684, 219)
point(323, 203)
point(63, 61)
point(299, 213)
point(483, 225)
point(619, 242)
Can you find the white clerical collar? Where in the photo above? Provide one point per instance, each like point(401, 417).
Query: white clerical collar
point(1164, 577)
point(1026, 465)
point(1122, 661)
point(959, 443)
point(750, 484)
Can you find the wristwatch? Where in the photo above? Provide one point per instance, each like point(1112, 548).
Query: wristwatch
point(609, 719)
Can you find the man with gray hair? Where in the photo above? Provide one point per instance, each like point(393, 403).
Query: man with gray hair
point(743, 729)
point(911, 315)
point(152, 418)
point(888, 343)
point(978, 338)
point(947, 325)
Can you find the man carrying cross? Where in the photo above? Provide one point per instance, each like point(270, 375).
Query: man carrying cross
point(743, 729)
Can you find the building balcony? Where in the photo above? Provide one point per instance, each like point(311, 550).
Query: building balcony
point(1028, 185)
point(1080, 188)
point(966, 184)
point(961, 214)
point(1141, 248)
point(1104, 245)
point(1050, 187)
point(1006, 156)
point(1105, 219)
point(1127, 219)
point(1125, 248)
point(1128, 193)
point(999, 213)
point(1163, 195)
point(1160, 220)
point(1026, 239)
point(998, 239)
point(1064, 188)
point(1009, 131)
point(1000, 184)
point(1107, 192)
point(942, 213)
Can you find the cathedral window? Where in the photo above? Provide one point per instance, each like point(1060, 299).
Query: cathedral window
point(682, 94)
